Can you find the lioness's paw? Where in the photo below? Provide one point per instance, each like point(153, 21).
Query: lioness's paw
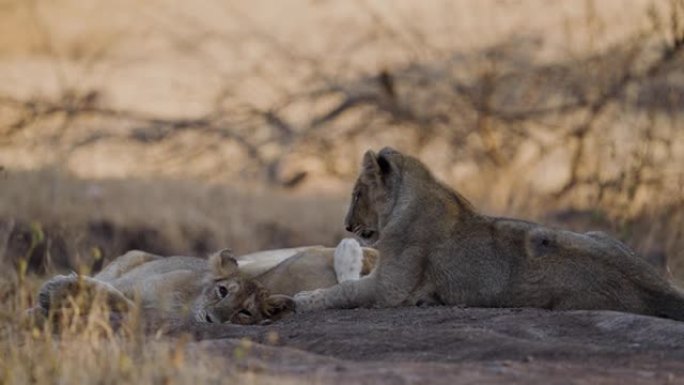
point(309, 300)
point(348, 260)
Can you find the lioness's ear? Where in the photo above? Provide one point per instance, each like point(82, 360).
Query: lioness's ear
point(223, 263)
point(278, 305)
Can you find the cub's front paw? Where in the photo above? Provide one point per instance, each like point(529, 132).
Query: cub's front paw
point(309, 300)
point(348, 260)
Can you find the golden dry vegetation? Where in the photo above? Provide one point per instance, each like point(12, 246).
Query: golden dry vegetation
point(184, 127)
point(87, 349)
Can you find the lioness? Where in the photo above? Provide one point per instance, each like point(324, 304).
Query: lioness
point(244, 290)
point(435, 248)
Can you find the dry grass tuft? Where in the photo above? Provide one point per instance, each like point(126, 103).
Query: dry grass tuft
point(80, 348)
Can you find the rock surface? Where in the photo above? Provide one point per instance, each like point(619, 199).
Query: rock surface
point(451, 345)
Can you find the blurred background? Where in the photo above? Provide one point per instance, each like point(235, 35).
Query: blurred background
point(183, 127)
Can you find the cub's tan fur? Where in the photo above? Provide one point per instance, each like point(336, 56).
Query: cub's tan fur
point(435, 248)
point(213, 290)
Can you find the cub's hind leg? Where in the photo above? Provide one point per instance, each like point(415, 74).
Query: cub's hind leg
point(348, 260)
point(125, 263)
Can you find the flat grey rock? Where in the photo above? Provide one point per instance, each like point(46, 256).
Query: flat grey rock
point(455, 345)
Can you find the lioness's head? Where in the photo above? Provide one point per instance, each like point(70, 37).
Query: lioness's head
point(230, 297)
point(374, 193)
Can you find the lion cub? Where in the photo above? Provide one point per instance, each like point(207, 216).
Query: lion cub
point(245, 290)
point(436, 248)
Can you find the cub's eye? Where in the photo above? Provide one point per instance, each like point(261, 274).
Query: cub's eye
point(223, 291)
point(245, 312)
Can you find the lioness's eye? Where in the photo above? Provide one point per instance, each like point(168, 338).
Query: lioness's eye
point(223, 291)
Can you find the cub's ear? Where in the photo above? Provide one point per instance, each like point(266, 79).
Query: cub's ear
point(389, 151)
point(381, 164)
point(384, 164)
point(223, 263)
point(278, 305)
point(369, 163)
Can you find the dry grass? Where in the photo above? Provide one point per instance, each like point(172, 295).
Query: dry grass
point(87, 349)
point(79, 221)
